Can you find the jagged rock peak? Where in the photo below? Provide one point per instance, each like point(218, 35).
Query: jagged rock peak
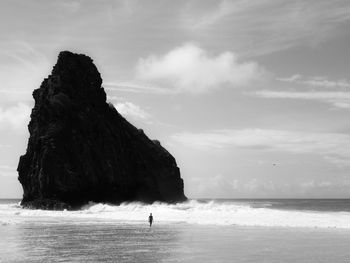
point(77, 69)
point(76, 76)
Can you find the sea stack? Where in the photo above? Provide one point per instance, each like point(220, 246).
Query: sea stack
point(81, 149)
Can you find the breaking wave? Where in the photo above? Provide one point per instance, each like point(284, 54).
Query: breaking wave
point(191, 212)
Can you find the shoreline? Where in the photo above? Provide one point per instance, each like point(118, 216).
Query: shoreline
point(191, 213)
point(84, 240)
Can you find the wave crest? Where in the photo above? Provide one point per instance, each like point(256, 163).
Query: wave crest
point(195, 212)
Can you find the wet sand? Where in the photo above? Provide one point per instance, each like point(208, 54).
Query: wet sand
point(79, 240)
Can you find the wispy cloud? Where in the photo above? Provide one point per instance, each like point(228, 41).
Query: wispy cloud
point(22, 69)
point(223, 9)
point(292, 78)
point(6, 167)
point(269, 25)
point(68, 6)
point(319, 81)
point(309, 95)
point(319, 88)
point(7, 171)
point(338, 99)
point(334, 147)
point(15, 117)
point(5, 145)
point(191, 69)
point(134, 87)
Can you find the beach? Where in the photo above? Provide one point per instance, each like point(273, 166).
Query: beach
point(86, 236)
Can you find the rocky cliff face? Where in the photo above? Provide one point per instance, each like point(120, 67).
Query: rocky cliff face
point(81, 149)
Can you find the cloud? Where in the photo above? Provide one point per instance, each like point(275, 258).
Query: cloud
point(189, 68)
point(334, 147)
point(331, 186)
point(223, 10)
point(293, 78)
point(265, 26)
point(215, 183)
point(221, 186)
point(136, 88)
point(5, 145)
point(308, 95)
point(71, 6)
point(319, 81)
point(22, 69)
point(16, 117)
point(338, 96)
point(254, 185)
point(7, 171)
point(7, 167)
point(314, 184)
point(133, 111)
point(343, 104)
point(338, 99)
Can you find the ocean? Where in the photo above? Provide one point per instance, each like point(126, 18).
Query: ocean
point(221, 230)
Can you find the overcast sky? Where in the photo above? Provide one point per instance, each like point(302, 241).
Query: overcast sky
point(251, 97)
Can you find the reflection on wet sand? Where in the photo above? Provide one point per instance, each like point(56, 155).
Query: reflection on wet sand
point(77, 240)
point(86, 242)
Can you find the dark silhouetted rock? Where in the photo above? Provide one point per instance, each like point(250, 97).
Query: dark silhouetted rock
point(81, 149)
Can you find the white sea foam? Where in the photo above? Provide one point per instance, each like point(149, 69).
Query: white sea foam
point(192, 212)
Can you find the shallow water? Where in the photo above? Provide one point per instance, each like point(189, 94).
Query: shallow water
point(53, 240)
point(196, 231)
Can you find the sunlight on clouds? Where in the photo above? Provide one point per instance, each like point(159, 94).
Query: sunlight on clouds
point(189, 68)
point(132, 110)
point(333, 147)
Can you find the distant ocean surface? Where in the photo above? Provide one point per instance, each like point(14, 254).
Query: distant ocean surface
point(220, 230)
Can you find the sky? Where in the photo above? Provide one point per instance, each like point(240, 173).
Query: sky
point(251, 97)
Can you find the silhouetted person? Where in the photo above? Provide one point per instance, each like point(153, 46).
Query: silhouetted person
point(150, 219)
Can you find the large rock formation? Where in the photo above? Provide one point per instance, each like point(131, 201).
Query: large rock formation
point(81, 149)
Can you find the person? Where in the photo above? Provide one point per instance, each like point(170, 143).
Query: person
point(150, 219)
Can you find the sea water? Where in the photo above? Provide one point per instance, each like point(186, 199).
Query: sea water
point(292, 230)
